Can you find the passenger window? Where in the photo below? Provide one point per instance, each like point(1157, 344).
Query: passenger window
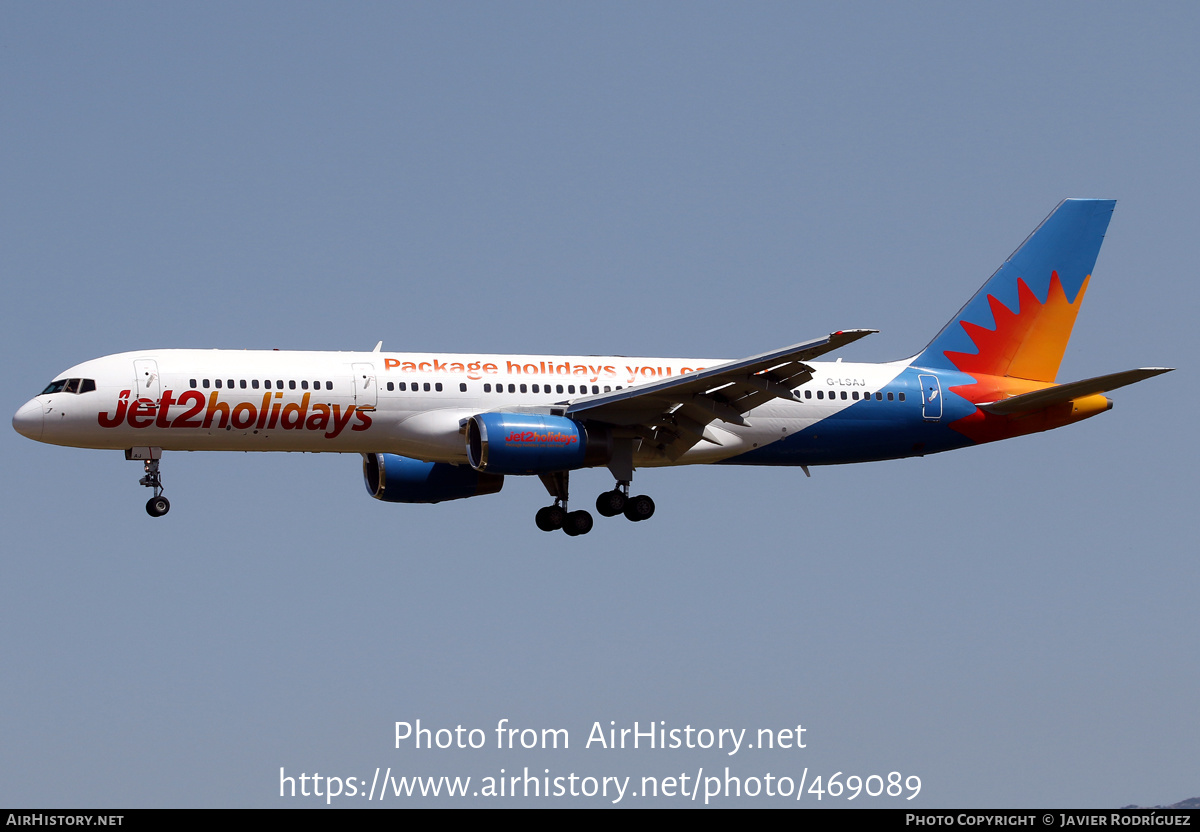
point(303, 385)
point(254, 383)
point(901, 397)
point(535, 388)
point(438, 387)
point(204, 384)
point(217, 383)
point(843, 395)
point(487, 388)
point(808, 394)
point(512, 388)
point(571, 388)
point(267, 384)
point(595, 388)
point(820, 394)
point(291, 385)
point(607, 389)
point(558, 388)
point(854, 395)
point(427, 387)
point(890, 396)
point(329, 385)
point(193, 383)
point(522, 388)
point(391, 386)
point(242, 383)
point(462, 387)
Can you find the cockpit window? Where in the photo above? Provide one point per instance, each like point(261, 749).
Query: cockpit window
point(70, 385)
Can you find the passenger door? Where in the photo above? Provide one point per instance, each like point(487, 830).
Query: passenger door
point(148, 385)
point(364, 385)
point(931, 398)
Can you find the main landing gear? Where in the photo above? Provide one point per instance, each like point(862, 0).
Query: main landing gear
point(609, 504)
point(618, 501)
point(158, 505)
point(552, 518)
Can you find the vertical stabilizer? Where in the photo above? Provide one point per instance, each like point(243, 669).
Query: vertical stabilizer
point(1019, 323)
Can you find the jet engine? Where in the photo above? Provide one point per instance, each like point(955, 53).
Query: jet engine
point(534, 443)
point(398, 479)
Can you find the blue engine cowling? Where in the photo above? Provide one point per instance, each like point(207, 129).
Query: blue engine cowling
point(398, 479)
point(534, 443)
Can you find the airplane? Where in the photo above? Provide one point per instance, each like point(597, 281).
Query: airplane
point(433, 427)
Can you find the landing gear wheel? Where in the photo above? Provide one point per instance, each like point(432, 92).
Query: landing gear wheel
point(611, 503)
point(550, 518)
point(577, 523)
point(639, 508)
point(158, 506)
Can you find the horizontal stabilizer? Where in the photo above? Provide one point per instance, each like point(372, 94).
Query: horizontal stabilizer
point(1029, 402)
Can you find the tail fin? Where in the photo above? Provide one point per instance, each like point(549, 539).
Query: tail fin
point(1019, 323)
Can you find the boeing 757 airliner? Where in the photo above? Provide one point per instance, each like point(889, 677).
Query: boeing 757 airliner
point(434, 427)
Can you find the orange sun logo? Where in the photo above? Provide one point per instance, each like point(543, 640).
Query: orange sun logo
point(1021, 354)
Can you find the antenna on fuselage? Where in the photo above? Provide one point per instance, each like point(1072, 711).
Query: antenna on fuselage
point(378, 347)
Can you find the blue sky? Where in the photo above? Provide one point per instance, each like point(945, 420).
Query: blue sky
point(1014, 623)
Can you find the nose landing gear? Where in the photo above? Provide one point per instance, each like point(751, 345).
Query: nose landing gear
point(158, 505)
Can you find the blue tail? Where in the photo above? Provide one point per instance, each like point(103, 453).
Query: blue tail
point(1019, 323)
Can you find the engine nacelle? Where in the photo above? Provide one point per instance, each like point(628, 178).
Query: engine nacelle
point(534, 443)
point(398, 479)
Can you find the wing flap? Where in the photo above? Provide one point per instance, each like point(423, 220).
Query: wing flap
point(723, 392)
point(674, 414)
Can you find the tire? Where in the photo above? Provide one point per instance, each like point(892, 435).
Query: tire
point(639, 508)
point(158, 506)
point(550, 518)
point(577, 523)
point(610, 503)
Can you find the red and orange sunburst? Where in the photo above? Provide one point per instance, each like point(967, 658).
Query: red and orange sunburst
point(1021, 354)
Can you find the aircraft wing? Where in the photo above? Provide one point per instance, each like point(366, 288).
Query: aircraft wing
point(1029, 402)
point(675, 412)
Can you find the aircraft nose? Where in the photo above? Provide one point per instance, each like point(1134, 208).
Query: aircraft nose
point(28, 420)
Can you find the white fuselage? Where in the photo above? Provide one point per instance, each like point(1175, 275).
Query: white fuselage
point(413, 404)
